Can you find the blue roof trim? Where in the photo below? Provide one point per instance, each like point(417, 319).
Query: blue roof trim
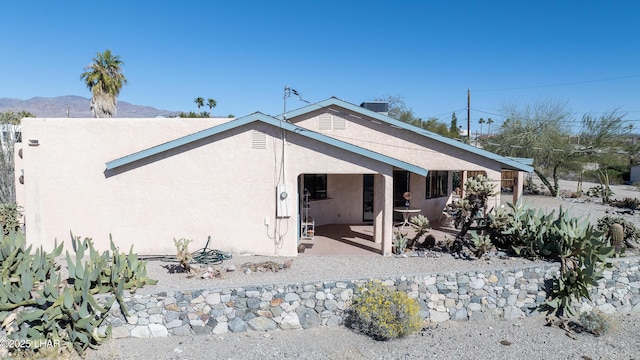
point(274, 122)
point(526, 161)
point(177, 142)
point(508, 162)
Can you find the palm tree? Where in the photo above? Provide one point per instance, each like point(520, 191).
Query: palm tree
point(481, 121)
point(212, 103)
point(199, 101)
point(489, 122)
point(105, 78)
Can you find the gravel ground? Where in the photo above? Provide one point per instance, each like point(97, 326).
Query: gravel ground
point(526, 338)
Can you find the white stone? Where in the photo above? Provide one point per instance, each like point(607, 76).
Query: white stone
point(158, 330)
point(438, 316)
point(607, 308)
point(512, 312)
point(140, 332)
point(476, 284)
point(155, 318)
point(213, 299)
point(120, 332)
point(196, 322)
point(198, 300)
point(132, 319)
point(174, 323)
point(474, 307)
point(220, 328)
point(346, 295)
point(266, 296)
point(290, 321)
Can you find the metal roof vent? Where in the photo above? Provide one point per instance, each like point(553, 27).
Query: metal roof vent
point(381, 107)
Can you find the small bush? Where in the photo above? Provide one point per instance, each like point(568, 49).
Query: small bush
point(10, 215)
point(382, 313)
point(482, 244)
point(596, 322)
point(399, 242)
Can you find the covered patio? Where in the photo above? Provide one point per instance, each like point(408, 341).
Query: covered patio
point(354, 240)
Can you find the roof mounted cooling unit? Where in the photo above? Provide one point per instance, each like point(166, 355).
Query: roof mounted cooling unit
point(381, 107)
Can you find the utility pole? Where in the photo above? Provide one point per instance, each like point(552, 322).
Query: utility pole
point(468, 115)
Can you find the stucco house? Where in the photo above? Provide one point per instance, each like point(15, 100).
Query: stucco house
point(254, 184)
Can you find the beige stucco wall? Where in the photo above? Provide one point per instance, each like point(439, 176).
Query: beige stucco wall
point(218, 186)
point(406, 146)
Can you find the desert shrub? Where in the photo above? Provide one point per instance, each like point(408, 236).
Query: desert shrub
point(382, 313)
point(39, 307)
point(482, 244)
point(421, 225)
point(472, 209)
point(10, 215)
point(182, 253)
point(580, 248)
point(399, 242)
point(595, 322)
point(631, 233)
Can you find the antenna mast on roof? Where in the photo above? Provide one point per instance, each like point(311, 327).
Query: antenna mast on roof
point(287, 93)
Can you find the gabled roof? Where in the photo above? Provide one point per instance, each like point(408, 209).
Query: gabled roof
point(510, 163)
point(271, 121)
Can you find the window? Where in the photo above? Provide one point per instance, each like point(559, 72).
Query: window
point(437, 184)
point(316, 184)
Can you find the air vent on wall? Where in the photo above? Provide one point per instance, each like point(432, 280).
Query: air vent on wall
point(258, 140)
point(324, 122)
point(339, 123)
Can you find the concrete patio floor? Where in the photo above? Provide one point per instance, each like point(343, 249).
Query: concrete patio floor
point(345, 239)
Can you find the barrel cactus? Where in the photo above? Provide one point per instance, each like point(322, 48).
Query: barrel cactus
point(616, 236)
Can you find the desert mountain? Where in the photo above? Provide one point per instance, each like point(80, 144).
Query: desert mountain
point(78, 107)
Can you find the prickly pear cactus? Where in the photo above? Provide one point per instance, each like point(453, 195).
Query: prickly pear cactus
point(38, 307)
point(616, 236)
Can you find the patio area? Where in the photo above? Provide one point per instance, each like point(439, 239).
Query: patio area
point(357, 240)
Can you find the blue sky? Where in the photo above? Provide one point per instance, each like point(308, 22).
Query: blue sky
point(243, 53)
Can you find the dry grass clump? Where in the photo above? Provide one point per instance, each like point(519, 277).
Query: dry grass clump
point(596, 322)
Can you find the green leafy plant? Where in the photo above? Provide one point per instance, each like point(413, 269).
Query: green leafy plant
point(606, 193)
point(581, 250)
point(482, 244)
point(400, 241)
point(10, 215)
point(421, 225)
point(383, 313)
point(39, 307)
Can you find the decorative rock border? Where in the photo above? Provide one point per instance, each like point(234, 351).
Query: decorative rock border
point(458, 296)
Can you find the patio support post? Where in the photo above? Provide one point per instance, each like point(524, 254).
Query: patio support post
point(518, 186)
point(383, 212)
point(463, 180)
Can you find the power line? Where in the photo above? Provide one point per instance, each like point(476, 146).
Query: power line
point(561, 84)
